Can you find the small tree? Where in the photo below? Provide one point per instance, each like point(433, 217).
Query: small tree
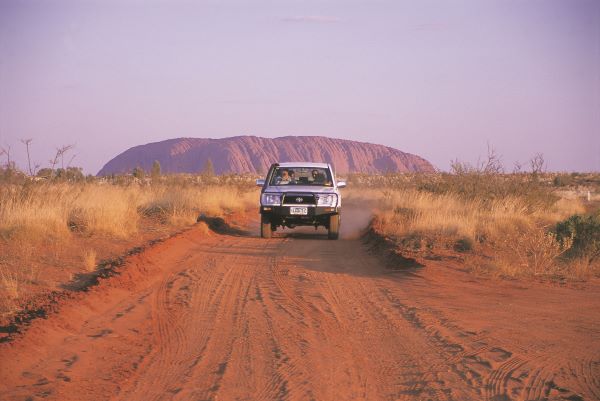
point(493, 164)
point(27, 142)
point(138, 172)
point(538, 164)
point(209, 169)
point(155, 172)
point(6, 151)
point(44, 173)
point(60, 154)
point(70, 174)
point(518, 168)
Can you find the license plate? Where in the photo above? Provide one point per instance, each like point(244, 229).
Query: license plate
point(299, 210)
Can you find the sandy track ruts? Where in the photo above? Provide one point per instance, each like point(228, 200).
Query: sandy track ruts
point(301, 318)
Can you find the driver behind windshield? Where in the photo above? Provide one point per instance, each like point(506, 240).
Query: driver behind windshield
point(317, 177)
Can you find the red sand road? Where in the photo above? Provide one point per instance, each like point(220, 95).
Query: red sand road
point(298, 317)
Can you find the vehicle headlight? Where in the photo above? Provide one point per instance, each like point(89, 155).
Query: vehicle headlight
point(327, 200)
point(270, 199)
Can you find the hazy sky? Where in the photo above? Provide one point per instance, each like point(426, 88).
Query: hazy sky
point(440, 79)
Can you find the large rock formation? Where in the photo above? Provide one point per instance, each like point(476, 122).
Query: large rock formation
point(251, 154)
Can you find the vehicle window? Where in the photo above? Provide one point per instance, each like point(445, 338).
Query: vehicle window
point(301, 176)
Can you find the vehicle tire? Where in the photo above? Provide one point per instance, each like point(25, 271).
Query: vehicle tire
point(265, 227)
point(334, 226)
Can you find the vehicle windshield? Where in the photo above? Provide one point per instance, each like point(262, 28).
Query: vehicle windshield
point(301, 176)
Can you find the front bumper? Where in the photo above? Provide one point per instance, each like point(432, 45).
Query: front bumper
point(313, 211)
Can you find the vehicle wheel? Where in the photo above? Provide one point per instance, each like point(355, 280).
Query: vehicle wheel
point(265, 227)
point(334, 226)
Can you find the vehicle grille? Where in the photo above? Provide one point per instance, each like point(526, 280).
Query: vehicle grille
point(298, 199)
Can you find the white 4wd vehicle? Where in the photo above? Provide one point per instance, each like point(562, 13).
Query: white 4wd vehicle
point(300, 194)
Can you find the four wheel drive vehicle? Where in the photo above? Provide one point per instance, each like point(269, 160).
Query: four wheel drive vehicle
point(300, 194)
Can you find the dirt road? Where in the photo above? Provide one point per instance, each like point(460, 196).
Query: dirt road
point(298, 317)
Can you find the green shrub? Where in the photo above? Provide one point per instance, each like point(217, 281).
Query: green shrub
point(585, 232)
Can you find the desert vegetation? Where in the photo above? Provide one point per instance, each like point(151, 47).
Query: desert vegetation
point(57, 223)
point(52, 229)
point(522, 224)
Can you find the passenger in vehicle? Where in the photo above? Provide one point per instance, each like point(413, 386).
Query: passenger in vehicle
point(284, 179)
point(318, 177)
point(293, 179)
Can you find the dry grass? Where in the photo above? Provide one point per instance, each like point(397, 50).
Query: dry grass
point(35, 212)
point(103, 210)
point(502, 230)
point(10, 283)
point(50, 231)
point(532, 252)
point(416, 212)
point(181, 206)
point(89, 259)
point(9, 290)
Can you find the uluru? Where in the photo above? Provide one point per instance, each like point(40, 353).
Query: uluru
point(252, 154)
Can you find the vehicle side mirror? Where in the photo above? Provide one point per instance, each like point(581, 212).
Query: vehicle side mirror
point(341, 184)
point(260, 183)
